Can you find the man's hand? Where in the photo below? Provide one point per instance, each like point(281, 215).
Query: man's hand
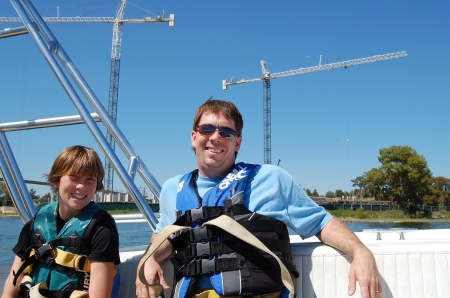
point(364, 270)
point(153, 272)
point(153, 275)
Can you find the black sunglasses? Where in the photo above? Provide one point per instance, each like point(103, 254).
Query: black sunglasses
point(209, 129)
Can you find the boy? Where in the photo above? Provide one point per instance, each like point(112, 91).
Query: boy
point(72, 245)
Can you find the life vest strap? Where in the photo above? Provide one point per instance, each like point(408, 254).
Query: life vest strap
point(200, 234)
point(41, 291)
point(232, 227)
point(162, 236)
point(235, 229)
point(199, 214)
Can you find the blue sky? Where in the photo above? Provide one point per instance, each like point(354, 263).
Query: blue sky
point(166, 73)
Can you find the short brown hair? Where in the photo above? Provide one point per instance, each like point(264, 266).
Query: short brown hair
point(77, 160)
point(216, 107)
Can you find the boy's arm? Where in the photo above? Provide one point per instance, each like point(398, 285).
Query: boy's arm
point(102, 275)
point(11, 291)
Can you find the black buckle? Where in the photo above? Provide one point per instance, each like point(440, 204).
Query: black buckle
point(203, 249)
point(196, 214)
point(42, 251)
point(208, 266)
point(199, 234)
point(72, 241)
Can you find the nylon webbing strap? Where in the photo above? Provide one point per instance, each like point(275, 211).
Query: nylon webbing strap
point(68, 259)
point(227, 224)
point(162, 236)
point(231, 226)
point(41, 291)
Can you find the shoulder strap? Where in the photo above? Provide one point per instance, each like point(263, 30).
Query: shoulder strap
point(229, 225)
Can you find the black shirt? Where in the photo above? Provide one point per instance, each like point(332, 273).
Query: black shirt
point(103, 247)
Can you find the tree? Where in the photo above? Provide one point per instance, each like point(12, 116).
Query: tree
point(406, 175)
point(308, 192)
point(361, 182)
point(45, 198)
point(34, 196)
point(4, 193)
point(377, 185)
point(439, 191)
point(330, 194)
point(339, 193)
point(315, 193)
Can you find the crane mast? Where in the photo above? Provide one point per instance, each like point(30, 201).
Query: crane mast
point(118, 22)
point(267, 76)
point(114, 88)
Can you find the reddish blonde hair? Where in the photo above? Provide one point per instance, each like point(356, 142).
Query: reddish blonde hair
point(77, 160)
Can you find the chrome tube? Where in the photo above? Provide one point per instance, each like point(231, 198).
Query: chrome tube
point(8, 32)
point(25, 9)
point(90, 96)
point(14, 181)
point(47, 122)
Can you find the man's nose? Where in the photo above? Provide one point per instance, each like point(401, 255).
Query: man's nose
point(216, 135)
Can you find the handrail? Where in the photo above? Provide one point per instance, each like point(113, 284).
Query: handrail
point(48, 45)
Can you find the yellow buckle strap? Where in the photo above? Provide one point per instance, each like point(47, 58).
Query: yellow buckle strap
point(71, 260)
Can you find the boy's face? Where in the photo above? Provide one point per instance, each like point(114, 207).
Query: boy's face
point(75, 193)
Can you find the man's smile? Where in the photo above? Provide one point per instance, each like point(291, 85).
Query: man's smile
point(214, 150)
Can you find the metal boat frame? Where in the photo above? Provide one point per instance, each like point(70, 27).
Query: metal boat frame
point(62, 66)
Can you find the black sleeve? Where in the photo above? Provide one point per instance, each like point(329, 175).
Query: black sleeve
point(105, 242)
point(24, 240)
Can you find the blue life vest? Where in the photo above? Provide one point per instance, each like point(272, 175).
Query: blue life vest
point(234, 267)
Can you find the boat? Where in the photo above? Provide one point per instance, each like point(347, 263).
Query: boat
point(412, 263)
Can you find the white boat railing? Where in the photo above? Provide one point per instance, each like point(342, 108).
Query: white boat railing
point(131, 218)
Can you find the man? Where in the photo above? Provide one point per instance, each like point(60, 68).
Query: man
point(263, 199)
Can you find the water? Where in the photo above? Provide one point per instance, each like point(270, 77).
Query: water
point(130, 234)
point(136, 234)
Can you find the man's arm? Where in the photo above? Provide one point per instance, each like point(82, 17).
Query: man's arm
point(152, 270)
point(363, 268)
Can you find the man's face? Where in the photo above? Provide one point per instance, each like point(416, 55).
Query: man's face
point(215, 154)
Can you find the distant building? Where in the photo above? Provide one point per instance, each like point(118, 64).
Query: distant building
point(107, 197)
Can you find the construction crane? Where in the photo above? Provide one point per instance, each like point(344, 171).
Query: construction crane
point(267, 76)
point(117, 21)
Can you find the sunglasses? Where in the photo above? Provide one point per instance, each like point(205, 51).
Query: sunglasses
point(209, 129)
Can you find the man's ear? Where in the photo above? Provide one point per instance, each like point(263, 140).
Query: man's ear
point(238, 143)
point(193, 137)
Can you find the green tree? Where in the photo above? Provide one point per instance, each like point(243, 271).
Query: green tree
point(330, 194)
point(315, 193)
point(439, 191)
point(308, 192)
point(406, 176)
point(34, 196)
point(362, 183)
point(377, 185)
point(339, 193)
point(4, 193)
point(47, 198)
